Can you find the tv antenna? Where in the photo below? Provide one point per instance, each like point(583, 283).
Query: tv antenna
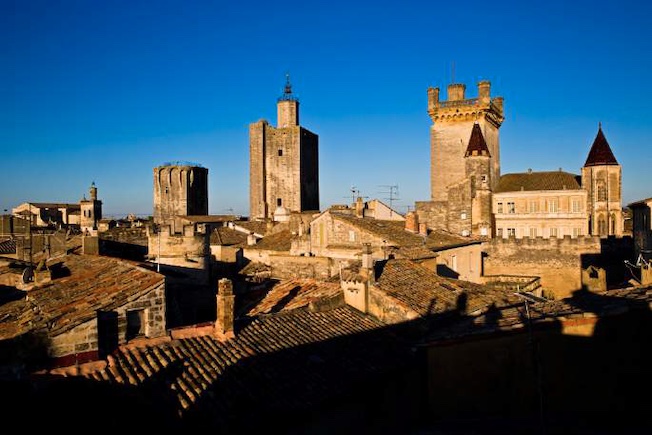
point(392, 192)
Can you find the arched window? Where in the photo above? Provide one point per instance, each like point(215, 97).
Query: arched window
point(601, 189)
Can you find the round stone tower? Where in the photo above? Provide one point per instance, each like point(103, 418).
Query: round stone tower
point(180, 189)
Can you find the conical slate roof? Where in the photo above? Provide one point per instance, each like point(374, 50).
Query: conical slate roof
point(600, 153)
point(477, 145)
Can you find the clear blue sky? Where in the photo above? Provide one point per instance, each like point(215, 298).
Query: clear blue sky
point(105, 91)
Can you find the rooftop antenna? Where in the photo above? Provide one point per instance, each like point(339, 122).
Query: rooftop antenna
point(453, 72)
point(393, 195)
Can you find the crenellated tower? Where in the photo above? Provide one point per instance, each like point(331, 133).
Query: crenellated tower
point(452, 122)
point(180, 189)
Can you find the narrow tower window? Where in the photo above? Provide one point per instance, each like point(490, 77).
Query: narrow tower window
point(280, 153)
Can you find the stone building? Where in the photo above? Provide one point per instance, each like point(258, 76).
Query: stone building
point(469, 196)
point(602, 179)
point(180, 189)
point(540, 204)
point(284, 163)
point(91, 212)
point(43, 214)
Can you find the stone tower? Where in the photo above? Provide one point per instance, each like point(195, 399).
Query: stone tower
point(283, 163)
point(602, 179)
point(452, 122)
point(479, 171)
point(180, 189)
point(91, 212)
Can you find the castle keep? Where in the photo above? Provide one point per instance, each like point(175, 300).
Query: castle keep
point(180, 189)
point(469, 196)
point(283, 163)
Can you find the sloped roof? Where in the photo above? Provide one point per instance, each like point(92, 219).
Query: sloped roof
point(477, 145)
point(227, 237)
point(410, 245)
point(280, 241)
point(294, 293)
point(94, 283)
point(600, 153)
point(277, 365)
point(531, 181)
point(7, 246)
point(427, 293)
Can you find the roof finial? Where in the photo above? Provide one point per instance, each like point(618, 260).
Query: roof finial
point(453, 72)
point(288, 85)
point(599, 125)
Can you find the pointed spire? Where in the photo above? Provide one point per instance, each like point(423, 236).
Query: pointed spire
point(477, 145)
point(600, 153)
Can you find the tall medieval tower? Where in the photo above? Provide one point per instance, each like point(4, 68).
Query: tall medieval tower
point(283, 163)
point(180, 189)
point(91, 211)
point(602, 179)
point(452, 122)
point(464, 160)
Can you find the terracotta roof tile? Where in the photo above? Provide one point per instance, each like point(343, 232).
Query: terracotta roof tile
point(94, 283)
point(427, 293)
point(531, 181)
point(294, 293)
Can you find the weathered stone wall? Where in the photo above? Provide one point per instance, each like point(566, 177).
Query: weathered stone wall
point(460, 197)
point(290, 266)
point(557, 261)
point(433, 214)
point(84, 338)
point(607, 209)
point(190, 249)
point(257, 188)
point(179, 190)
point(387, 309)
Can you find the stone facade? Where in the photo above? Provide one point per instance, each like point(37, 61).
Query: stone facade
point(453, 121)
point(541, 213)
point(85, 337)
point(557, 261)
point(283, 163)
point(179, 190)
point(603, 184)
point(642, 228)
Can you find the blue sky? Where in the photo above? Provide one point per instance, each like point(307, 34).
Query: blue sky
point(105, 91)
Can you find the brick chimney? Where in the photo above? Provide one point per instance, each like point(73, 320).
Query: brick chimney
point(412, 222)
point(355, 286)
point(225, 309)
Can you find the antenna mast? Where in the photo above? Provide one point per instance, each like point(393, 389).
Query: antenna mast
point(393, 195)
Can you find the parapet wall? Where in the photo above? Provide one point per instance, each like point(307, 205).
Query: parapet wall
point(558, 261)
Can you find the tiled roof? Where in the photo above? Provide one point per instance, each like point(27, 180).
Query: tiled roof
point(277, 366)
point(280, 241)
point(530, 181)
point(427, 293)
point(582, 305)
point(209, 218)
point(258, 227)
point(411, 245)
point(94, 283)
point(477, 145)
point(53, 205)
point(600, 153)
point(227, 237)
point(294, 293)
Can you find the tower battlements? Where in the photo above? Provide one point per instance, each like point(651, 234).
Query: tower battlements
point(460, 108)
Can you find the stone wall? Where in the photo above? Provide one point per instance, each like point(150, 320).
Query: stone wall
point(434, 214)
point(290, 266)
point(558, 261)
point(179, 190)
point(84, 338)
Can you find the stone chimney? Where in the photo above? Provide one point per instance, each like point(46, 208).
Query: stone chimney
point(359, 207)
point(355, 286)
point(412, 222)
point(251, 239)
point(423, 229)
point(225, 309)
